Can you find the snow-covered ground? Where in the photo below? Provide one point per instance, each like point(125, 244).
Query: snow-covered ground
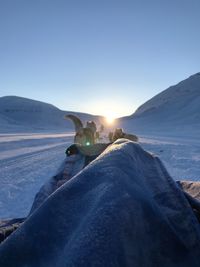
point(181, 156)
point(28, 160)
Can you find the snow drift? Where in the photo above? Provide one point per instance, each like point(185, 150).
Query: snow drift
point(123, 209)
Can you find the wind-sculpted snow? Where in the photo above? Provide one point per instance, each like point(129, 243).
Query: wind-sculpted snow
point(122, 210)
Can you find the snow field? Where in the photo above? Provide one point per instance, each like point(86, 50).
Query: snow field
point(28, 160)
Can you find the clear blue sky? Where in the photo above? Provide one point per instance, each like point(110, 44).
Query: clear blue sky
point(97, 56)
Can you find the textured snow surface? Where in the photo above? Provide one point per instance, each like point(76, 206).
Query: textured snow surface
point(181, 156)
point(27, 161)
point(122, 210)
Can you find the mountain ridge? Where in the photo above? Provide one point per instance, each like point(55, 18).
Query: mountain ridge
point(177, 108)
point(27, 114)
point(185, 86)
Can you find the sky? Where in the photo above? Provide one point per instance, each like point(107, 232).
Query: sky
point(103, 57)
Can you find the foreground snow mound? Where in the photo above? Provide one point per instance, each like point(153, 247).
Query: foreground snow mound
point(123, 209)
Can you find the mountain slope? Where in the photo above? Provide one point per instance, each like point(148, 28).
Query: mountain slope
point(22, 113)
point(176, 108)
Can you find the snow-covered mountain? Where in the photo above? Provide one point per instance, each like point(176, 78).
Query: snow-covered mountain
point(175, 109)
point(18, 113)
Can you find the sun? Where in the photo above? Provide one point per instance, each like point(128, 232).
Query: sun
point(109, 119)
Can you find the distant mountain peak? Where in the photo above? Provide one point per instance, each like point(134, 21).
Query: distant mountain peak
point(198, 73)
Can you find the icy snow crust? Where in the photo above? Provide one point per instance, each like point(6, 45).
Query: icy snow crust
point(122, 210)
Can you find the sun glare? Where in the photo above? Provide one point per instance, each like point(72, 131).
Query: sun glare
point(109, 110)
point(110, 119)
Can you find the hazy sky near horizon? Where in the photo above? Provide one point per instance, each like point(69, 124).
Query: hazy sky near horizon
point(106, 56)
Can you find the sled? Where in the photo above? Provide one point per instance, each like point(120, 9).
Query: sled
point(77, 158)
